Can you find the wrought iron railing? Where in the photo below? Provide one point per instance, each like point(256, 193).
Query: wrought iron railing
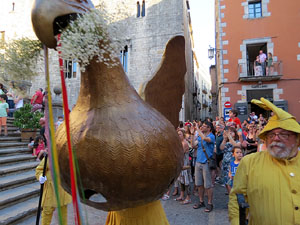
point(250, 70)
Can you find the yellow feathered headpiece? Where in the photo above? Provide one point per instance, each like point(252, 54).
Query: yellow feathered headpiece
point(280, 119)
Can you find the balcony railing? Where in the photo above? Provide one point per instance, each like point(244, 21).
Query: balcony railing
point(249, 72)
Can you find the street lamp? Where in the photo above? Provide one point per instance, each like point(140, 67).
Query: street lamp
point(211, 52)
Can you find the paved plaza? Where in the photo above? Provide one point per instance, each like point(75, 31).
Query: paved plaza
point(177, 214)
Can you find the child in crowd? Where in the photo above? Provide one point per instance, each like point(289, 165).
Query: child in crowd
point(39, 147)
point(4, 109)
point(31, 143)
point(238, 155)
point(59, 122)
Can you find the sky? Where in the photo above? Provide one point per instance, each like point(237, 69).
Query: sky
point(203, 23)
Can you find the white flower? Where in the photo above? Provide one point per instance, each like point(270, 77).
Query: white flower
point(90, 36)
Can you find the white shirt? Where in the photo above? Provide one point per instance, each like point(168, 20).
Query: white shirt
point(262, 57)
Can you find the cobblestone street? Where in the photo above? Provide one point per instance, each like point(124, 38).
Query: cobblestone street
point(177, 214)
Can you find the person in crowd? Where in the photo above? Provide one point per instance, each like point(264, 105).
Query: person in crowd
point(269, 180)
point(245, 124)
point(261, 119)
point(166, 196)
point(219, 152)
point(230, 140)
point(39, 148)
point(3, 114)
point(251, 139)
point(269, 69)
point(49, 203)
point(10, 98)
point(217, 120)
point(262, 60)
point(3, 91)
point(42, 123)
point(257, 67)
point(31, 144)
point(205, 142)
point(188, 123)
point(59, 121)
point(238, 155)
point(37, 100)
point(253, 116)
point(19, 102)
point(185, 177)
point(233, 118)
point(249, 119)
point(187, 133)
point(261, 144)
point(193, 155)
point(222, 121)
point(180, 125)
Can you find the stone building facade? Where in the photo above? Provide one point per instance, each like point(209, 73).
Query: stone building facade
point(146, 35)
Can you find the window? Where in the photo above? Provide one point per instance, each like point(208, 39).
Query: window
point(252, 53)
point(143, 9)
point(254, 9)
point(70, 69)
point(124, 58)
point(138, 9)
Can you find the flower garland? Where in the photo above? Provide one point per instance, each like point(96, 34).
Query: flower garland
point(91, 35)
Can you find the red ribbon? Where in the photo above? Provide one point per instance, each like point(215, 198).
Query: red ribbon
point(67, 123)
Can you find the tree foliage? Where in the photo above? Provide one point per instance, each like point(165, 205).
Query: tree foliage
point(19, 57)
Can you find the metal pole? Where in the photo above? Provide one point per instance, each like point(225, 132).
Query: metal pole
point(243, 205)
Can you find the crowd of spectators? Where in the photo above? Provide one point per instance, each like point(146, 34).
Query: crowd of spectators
point(219, 141)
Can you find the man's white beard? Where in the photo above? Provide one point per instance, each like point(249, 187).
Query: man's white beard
point(279, 150)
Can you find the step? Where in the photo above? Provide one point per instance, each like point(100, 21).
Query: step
point(19, 194)
point(19, 211)
point(10, 139)
point(16, 180)
point(29, 220)
point(12, 134)
point(19, 167)
point(6, 160)
point(13, 151)
point(10, 128)
point(12, 144)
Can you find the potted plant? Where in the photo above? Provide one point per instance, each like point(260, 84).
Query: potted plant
point(27, 121)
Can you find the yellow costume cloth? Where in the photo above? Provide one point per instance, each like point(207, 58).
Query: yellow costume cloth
point(49, 202)
point(280, 119)
point(149, 214)
point(272, 188)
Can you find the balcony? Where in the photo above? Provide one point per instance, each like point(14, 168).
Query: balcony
point(248, 73)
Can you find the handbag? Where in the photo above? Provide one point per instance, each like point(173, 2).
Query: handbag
point(212, 164)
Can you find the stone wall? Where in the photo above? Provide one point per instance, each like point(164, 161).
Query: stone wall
point(146, 38)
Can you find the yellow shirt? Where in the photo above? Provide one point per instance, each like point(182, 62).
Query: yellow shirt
point(272, 188)
point(49, 198)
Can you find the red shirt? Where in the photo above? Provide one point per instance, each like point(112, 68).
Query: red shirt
point(39, 98)
point(236, 121)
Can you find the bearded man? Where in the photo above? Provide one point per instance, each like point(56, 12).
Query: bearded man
point(270, 180)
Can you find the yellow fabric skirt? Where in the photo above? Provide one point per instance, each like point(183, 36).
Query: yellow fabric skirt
point(149, 214)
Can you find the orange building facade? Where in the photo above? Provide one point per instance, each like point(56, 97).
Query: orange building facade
point(243, 29)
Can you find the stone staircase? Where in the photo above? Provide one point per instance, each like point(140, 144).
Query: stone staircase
point(19, 189)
